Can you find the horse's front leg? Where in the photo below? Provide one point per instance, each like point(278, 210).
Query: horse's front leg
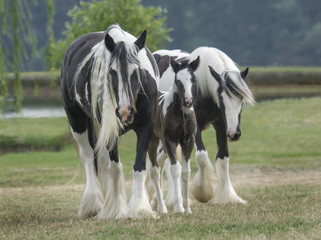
point(175, 170)
point(224, 192)
point(139, 206)
point(186, 172)
point(202, 185)
point(92, 200)
point(115, 199)
point(155, 172)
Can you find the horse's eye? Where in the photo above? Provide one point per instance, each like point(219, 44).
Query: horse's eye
point(112, 72)
point(178, 82)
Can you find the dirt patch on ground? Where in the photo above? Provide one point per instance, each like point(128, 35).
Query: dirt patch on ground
point(239, 178)
point(274, 177)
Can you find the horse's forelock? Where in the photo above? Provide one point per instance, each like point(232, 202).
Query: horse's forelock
point(234, 84)
point(124, 58)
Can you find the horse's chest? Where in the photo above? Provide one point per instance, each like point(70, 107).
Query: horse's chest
point(181, 125)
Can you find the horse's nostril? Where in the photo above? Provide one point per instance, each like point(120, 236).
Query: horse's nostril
point(117, 112)
point(188, 102)
point(233, 136)
point(130, 109)
point(124, 113)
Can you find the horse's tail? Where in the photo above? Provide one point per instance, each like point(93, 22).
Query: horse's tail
point(92, 141)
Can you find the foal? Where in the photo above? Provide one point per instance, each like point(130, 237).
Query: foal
point(175, 123)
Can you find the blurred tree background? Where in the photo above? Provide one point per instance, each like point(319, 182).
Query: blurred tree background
point(253, 32)
point(34, 34)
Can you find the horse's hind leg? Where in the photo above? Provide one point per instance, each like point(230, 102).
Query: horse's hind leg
point(155, 172)
point(92, 199)
point(202, 185)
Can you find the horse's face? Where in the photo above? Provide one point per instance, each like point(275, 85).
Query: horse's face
point(185, 80)
point(230, 105)
point(125, 75)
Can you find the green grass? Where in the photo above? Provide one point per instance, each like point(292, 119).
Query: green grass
point(281, 134)
point(38, 168)
point(277, 136)
point(17, 134)
point(281, 212)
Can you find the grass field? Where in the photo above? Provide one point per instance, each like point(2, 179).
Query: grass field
point(276, 167)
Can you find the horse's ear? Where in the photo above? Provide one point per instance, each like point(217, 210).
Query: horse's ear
point(174, 64)
point(194, 65)
point(215, 74)
point(109, 42)
point(244, 73)
point(140, 42)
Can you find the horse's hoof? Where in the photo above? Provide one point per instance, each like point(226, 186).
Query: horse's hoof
point(153, 203)
point(188, 211)
point(179, 209)
point(162, 210)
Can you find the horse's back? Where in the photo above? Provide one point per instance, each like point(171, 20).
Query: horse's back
point(167, 75)
point(75, 54)
point(215, 58)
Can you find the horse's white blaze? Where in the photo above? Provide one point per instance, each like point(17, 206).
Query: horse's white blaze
point(124, 100)
point(92, 200)
point(185, 77)
point(233, 107)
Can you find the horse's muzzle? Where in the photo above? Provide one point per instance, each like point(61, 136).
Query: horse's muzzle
point(233, 136)
point(125, 114)
point(188, 102)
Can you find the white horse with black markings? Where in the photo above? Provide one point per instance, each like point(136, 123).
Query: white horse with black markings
point(109, 86)
point(221, 95)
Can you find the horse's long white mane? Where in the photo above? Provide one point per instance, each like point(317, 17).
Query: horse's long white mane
point(224, 66)
point(166, 99)
point(102, 94)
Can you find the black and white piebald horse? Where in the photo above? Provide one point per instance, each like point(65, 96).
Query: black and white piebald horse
point(109, 86)
point(175, 123)
point(221, 95)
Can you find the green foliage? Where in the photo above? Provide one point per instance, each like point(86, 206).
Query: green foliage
point(19, 134)
point(16, 34)
point(98, 15)
point(50, 31)
point(17, 43)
